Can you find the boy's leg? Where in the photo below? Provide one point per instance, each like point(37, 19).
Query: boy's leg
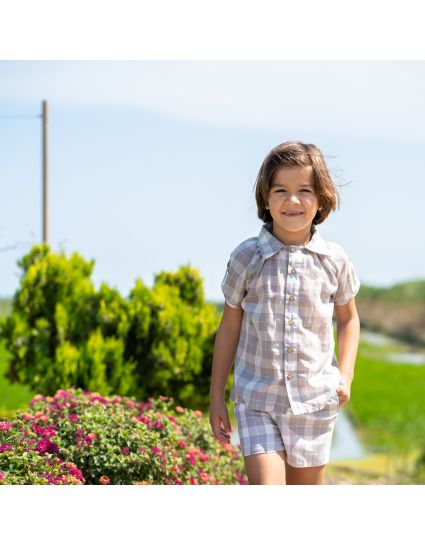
point(266, 468)
point(304, 475)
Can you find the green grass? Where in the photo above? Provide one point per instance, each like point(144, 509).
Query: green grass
point(12, 396)
point(386, 404)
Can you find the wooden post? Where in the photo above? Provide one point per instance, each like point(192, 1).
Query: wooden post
point(45, 174)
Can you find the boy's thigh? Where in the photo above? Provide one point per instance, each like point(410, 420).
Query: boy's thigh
point(304, 475)
point(266, 468)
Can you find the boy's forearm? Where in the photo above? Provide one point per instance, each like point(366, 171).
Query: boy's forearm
point(348, 334)
point(226, 343)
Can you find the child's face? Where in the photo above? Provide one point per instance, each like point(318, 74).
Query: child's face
point(292, 192)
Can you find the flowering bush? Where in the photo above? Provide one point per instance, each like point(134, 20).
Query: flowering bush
point(117, 440)
point(26, 460)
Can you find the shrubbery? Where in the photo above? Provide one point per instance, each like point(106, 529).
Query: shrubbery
point(32, 460)
point(113, 440)
point(64, 333)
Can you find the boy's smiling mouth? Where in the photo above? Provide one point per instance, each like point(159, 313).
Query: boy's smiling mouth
point(293, 213)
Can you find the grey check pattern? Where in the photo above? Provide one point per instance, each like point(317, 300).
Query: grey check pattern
point(285, 353)
point(306, 438)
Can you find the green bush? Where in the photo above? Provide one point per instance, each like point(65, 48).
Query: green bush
point(63, 333)
point(117, 440)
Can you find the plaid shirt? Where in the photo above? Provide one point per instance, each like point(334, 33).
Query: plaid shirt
point(287, 294)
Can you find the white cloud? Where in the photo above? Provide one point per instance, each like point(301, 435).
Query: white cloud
point(370, 98)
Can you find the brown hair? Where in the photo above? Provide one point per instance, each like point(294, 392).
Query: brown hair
point(295, 153)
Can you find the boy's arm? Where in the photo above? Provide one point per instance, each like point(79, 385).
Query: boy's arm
point(226, 343)
point(348, 334)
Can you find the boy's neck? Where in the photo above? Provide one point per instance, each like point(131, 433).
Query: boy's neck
point(294, 239)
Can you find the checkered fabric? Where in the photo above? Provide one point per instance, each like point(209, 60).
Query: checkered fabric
point(306, 438)
point(286, 342)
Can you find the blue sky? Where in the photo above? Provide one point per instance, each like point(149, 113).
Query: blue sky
point(153, 163)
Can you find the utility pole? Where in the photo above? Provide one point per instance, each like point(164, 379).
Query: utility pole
point(45, 174)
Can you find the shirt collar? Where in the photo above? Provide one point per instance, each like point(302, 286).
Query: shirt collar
point(270, 245)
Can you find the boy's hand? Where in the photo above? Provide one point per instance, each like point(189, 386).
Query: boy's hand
point(219, 421)
point(343, 392)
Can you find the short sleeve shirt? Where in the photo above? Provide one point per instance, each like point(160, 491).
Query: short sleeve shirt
point(288, 295)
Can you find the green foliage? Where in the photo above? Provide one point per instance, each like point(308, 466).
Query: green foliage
point(63, 333)
point(118, 440)
point(406, 292)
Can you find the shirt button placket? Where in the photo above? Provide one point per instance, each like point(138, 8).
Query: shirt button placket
point(291, 316)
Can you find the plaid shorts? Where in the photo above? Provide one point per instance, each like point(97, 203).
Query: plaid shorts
point(306, 438)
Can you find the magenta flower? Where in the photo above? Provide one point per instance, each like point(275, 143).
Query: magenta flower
point(5, 447)
point(44, 445)
point(156, 451)
point(73, 418)
point(1, 476)
point(5, 426)
point(47, 431)
point(158, 424)
point(182, 443)
point(125, 450)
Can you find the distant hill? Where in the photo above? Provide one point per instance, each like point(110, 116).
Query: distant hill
point(398, 311)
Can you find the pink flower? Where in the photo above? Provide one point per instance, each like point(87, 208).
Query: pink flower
point(27, 416)
point(182, 443)
point(5, 426)
point(5, 447)
point(90, 437)
point(44, 445)
point(193, 480)
point(191, 458)
point(62, 393)
point(179, 409)
point(158, 424)
point(198, 413)
point(73, 418)
point(204, 476)
point(1, 476)
point(125, 450)
point(156, 451)
point(130, 404)
point(163, 398)
point(144, 419)
point(76, 473)
point(104, 479)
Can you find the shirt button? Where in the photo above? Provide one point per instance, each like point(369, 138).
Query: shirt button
point(293, 271)
point(289, 376)
point(291, 298)
point(290, 322)
point(290, 349)
point(292, 249)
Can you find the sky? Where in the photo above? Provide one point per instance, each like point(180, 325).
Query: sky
point(152, 164)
